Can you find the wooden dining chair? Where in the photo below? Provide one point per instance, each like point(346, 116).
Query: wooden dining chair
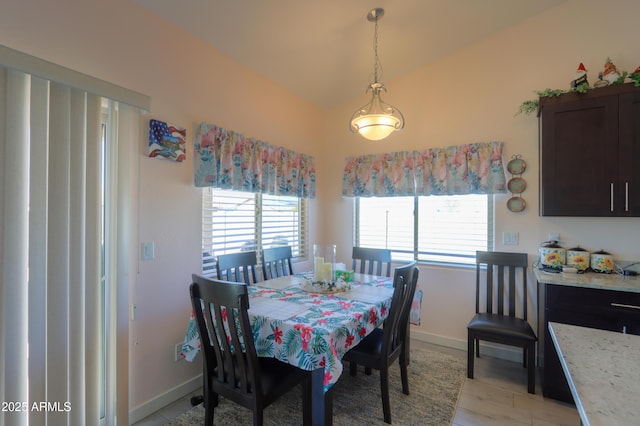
point(372, 261)
point(501, 309)
point(383, 346)
point(239, 267)
point(231, 365)
point(276, 262)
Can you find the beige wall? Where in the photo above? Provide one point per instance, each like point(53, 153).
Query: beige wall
point(472, 96)
point(467, 97)
point(188, 82)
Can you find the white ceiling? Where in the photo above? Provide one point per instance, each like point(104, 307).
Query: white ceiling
point(323, 50)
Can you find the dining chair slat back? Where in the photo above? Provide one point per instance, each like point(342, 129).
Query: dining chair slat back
point(372, 261)
point(231, 365)
point(383, 346)
point(276, 262)
point(239, 267)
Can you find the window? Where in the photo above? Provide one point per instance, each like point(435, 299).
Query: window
point(446, 229)
point(234, 221)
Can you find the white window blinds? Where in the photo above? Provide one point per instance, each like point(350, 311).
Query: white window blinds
point(435, 229)
point(234, 221)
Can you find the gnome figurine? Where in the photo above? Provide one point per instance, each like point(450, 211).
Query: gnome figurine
point(581, 76)
point(635, 77)
point(610, 73)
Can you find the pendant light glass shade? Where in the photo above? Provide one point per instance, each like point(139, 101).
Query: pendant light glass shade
point(377, 119)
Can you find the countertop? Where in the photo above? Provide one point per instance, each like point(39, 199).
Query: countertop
point(590, 280)
point(603, 371)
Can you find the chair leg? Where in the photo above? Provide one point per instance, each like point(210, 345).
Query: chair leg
point(477, 348)
point(210, 398)
point(407, 342)
point(353, 369)
point(403, 375)
point(257, 417)
point(208, 416)
point(470, 348)
point(384, 391)
point(531, 368)
point(210, 402)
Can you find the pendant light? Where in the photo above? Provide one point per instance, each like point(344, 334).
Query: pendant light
point(377, 119)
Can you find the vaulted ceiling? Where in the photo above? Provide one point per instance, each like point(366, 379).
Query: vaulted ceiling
point(323, 50)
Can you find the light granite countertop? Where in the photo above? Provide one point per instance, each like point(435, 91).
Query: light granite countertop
point(603, 371)
point(590, 280)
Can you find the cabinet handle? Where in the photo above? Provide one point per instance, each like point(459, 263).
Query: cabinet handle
point(626, 196)
point(611, 194)
point(622, 305)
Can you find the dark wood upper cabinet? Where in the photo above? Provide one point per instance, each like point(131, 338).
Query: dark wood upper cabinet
point(629, 145)
point(590, 153)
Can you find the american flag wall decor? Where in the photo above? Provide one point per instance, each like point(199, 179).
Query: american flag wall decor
point(167, 141)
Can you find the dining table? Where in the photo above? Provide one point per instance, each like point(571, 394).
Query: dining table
point(309, 329)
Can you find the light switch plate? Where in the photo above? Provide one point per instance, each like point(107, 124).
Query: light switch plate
point(148, 251)
point(510, 238)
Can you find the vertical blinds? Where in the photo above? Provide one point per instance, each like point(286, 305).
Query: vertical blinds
point(64, 342)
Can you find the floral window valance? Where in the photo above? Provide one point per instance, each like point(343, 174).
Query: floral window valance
point(467, 169)
point(228, 160)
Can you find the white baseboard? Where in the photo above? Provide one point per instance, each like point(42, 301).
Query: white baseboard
point(167, 398)
point(508, 353)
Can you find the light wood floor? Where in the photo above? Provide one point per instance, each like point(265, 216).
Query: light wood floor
point(496, 396)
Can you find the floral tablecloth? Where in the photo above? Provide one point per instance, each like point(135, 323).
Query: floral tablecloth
point(309, 330)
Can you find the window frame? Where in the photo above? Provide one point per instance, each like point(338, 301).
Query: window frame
point(415, 253)
point(209, 252)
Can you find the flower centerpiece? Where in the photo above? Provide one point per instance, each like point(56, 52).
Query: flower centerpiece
point(314, 286)
point(324, 271)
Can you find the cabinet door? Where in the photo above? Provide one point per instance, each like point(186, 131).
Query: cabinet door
point(579, 157)
point(628, 194)
point(554, 383)
point(633, 326)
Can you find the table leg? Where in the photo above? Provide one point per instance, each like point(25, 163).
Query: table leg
point(328, 407)
point(321, 404)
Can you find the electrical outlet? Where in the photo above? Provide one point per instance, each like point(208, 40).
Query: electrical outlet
point(177, 353)
point(554, 236)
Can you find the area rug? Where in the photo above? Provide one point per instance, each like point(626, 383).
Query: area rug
point(435, 381)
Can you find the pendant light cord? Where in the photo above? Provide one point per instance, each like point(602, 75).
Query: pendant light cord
point(376, 63)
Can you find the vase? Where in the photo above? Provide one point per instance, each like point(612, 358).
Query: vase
point(324, 262)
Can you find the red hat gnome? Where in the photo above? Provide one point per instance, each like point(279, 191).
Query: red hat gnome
point(581, 76)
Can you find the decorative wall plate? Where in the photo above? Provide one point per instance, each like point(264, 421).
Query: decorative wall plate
point(516, 204)
point(517, 185)
point(516, 166)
